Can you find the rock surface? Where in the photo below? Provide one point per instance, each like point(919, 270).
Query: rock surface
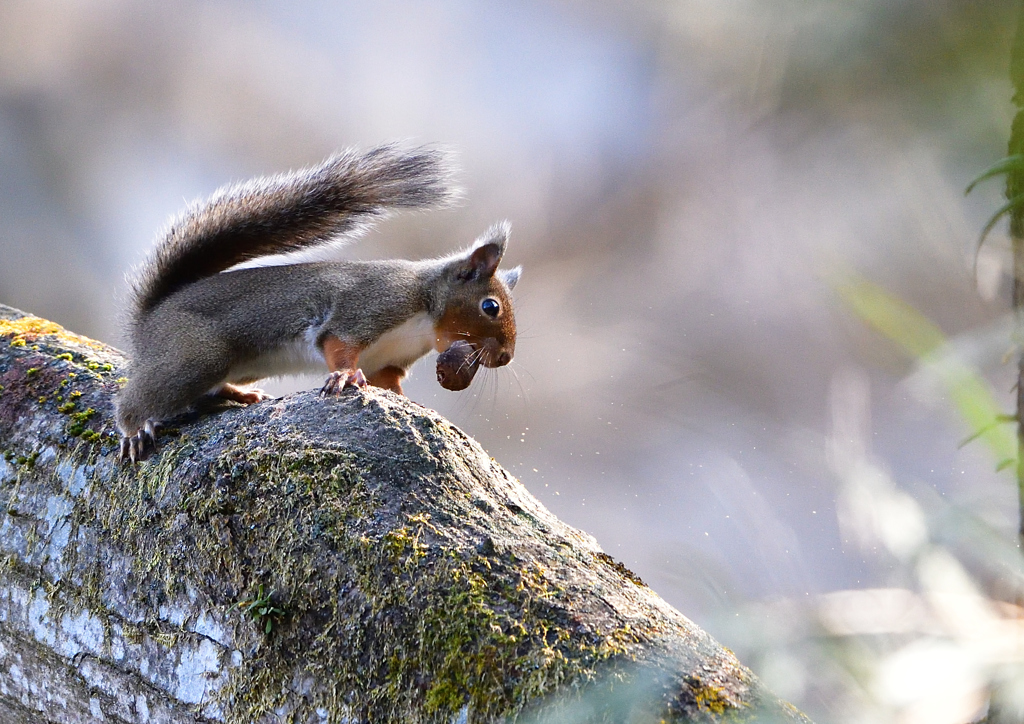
point(351, 559)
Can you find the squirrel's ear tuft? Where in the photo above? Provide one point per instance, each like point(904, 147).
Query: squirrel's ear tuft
point(511, 276)
point(497, 234)
point(481, 262)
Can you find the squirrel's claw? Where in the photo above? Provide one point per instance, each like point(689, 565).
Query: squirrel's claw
point(340, 379)
point(141, 445)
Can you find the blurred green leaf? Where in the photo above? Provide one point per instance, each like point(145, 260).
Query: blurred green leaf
point(1000, 420)
point(893, 317)
point(920, 338)
point(1006, 208)
point(1005, 165)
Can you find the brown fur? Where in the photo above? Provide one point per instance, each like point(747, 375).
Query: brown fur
point(238, 394)
point(390, 378)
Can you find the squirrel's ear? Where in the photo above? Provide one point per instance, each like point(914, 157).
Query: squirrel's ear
point(497, 234)
point(483, 258)
point(511, 276)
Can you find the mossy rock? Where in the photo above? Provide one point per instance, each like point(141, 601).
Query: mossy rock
point(349, 559)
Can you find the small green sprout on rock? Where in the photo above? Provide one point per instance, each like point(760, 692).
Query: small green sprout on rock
point(261, 609)
point(78, 420)
point(25, 460)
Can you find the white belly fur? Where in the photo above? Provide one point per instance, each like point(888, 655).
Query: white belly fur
point(400, 347)
point(298, 356)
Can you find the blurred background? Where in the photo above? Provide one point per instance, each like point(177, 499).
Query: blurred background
point(689, 182)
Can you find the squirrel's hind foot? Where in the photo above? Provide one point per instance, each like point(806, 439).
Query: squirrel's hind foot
point(141, 445)
point(340, 379)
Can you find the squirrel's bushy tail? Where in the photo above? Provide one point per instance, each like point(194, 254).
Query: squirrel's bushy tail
point(289, 212)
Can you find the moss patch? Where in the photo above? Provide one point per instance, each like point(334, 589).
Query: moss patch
point(27, 329)
point(711, 700)
point(392, 621)
point(47, 366)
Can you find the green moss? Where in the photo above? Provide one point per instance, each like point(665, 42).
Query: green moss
point(707, 701)
point(28, 461)
point(31, 371)
point(458, 628)
point(711, 698)
point(83, 415)
point(31, 328)
point(76, 427)
point(20, 457)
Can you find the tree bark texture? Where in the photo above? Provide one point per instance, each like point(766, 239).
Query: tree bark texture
point(345, 559)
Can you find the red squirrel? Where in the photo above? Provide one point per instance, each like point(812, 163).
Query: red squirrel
point(198, 327)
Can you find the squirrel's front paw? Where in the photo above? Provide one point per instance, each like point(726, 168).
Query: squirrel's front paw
point(339, 380)
point(141, 445)
point(247, 396)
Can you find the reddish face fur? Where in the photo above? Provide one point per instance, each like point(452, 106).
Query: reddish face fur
point(464, 319)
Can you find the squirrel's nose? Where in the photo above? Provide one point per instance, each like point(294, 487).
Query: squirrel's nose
point(504, 358)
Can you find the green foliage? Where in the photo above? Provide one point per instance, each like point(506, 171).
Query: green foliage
point(261, 609)
point(1003, 166)
point(1012, 166)
point(1014, 204)
point(970, 394)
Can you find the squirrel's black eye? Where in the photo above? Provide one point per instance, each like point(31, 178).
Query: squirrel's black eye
point(490, 307)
